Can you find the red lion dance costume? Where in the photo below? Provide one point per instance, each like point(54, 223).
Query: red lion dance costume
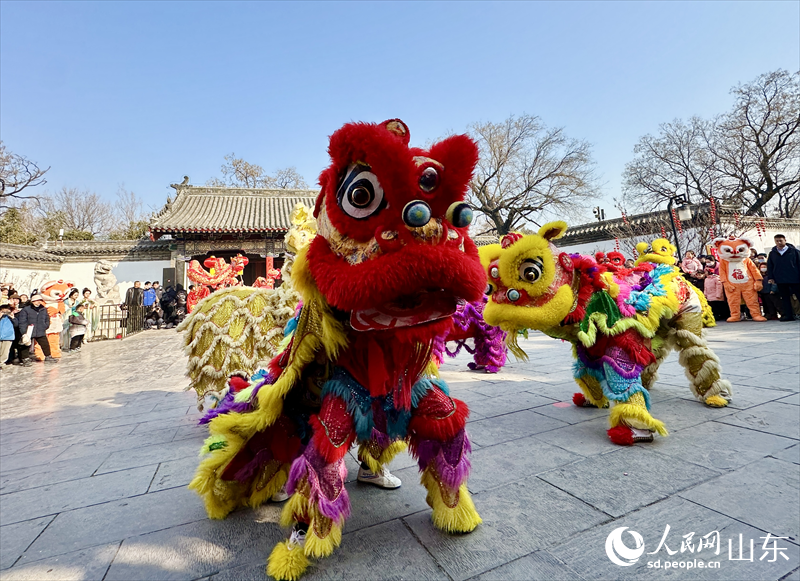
point(383, 277)
point(220, 275)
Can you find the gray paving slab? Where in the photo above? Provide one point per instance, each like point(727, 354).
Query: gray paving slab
point(789, 454)
point(555, 390)
point(585, 438)
point(586, 555)
point(388, 551)
point(371, 505)
point(779, 381)
point(88, 564)
point(173, 473)
point(721, 446)
point(106, 447)
point(148, 455)
point(87, 436)
point(18, 537)
point(773, 506)
point(517, 519)
point(198, 549)
point(37, 458)
point(494, 466)
point(626, 479)
point(115, 521)
point(793, 399)
point(772, 417)
point(566, 411)
point(538, 566)
point(137, 418)
point(793, 576)
point(45, 474)
point(512, 402)
point(679, 413)
point(65, 496)
point(511, 426)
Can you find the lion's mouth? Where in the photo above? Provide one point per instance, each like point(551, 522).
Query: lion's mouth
point(405, 311)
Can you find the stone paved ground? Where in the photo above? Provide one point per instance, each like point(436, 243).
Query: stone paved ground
point(96, 453)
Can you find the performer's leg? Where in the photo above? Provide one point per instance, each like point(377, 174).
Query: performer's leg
point(700, 363)
point(661, 346)
point(375, 455)
point(439, 442)
point(319, 503)
point(630, 417)
point(592, 392)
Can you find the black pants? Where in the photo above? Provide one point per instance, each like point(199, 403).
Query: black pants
point(771, 303)
point(75, 342)
point(786, 291)
point(25, 350)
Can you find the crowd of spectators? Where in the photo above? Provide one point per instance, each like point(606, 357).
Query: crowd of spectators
point(780, 270)
point(151, 307)
point(25, 321)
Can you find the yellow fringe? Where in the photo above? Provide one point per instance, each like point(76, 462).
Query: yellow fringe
point(431, 370)
point(513, 345)
point(296, 508)
point(259, 497)
point(317, 547)
point(590, 386)
point(463, 518)
point(626, 411)
point(716, 401)
point(287, 564)
point(387, 455)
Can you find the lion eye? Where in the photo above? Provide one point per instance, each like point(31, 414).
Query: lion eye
point(360, 196)
point(531, 270)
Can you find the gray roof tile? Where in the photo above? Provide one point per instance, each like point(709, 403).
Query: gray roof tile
point(213, 209)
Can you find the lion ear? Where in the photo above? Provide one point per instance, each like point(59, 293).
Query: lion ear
point(398, 128)
point(718, 241)
point(641, 248)
point(553, 230)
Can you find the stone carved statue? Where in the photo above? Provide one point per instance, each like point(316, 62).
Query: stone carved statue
point(107, 287)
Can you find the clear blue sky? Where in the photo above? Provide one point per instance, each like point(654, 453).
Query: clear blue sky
point(142, 93)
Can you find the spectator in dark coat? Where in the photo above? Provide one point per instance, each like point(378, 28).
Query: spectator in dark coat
point(33, 324)
point(770, 299)
point(783, 269)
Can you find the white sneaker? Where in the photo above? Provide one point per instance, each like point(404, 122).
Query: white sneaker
point(297, 539)
point(384, 478)
point(280, 496)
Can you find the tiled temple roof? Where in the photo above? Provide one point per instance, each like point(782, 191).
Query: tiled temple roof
point(651, 223)
point(12, 252)
point(111, 247)
point(203, 209)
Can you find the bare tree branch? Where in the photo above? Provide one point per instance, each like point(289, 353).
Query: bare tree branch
point(17, 173)
point(527, 171)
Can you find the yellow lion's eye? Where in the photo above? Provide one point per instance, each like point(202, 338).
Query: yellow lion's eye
point(531, 270)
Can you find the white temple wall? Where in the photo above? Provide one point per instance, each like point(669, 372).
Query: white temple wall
point(26, 279)
point(81, 274)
